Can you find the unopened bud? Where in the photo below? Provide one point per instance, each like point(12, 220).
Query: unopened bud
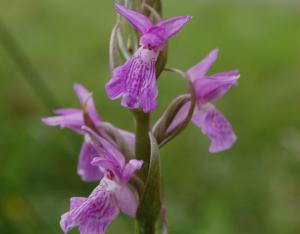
point(177, 115)
point(166, 124)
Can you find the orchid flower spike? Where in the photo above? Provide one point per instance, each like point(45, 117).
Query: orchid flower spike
point(95, 213)
point(135, 81)
point(73, 119)
point(206, 116)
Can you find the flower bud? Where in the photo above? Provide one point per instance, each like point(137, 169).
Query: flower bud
point(170, 122)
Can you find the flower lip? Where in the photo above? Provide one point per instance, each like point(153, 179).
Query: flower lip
point(214, 124)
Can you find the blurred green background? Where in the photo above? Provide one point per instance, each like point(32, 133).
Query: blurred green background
point(252, 189)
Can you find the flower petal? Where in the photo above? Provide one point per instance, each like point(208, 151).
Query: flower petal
point(93, 214)
point(67, 222)
point(216, 127)
point(67, 111)
point(173, 25)
point(150, 93)
point(92, 227)
point(85, 169)
point(75, 202)
point(127, 201)
point(135, 81)
point(199, 71)
point(130, 101)
point(107, 149)
point(227, 73)
point(180, 116)
point(131, 167)
point(71, 121)
point(107, 166)
point(129, 138)
point(82, 93)
point(145, 75)
point(138, 20)
point(85, 98)
point(214, 87)
point(116, 86)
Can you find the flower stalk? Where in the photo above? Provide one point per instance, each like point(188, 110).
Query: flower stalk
point(149, 208)
point(146, 149)
point(142, 141)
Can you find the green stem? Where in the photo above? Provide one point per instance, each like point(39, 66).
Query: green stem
point(142, 141)
point(145, 223)
point(146, 227)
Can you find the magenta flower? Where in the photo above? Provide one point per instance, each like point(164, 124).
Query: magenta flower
point(93, 214)
point(73, 119)
point(206, 116)
point(135, 81)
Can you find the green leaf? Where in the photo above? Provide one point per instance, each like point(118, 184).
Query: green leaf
point(114, 53)
point(163, 221)
point(150, 203)
point(155, 4)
